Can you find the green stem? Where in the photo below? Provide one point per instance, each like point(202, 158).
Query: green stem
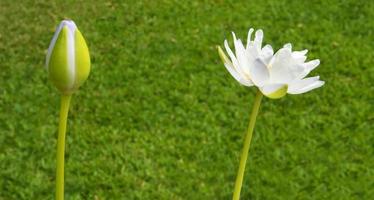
point(247, 143)
point(64, 110)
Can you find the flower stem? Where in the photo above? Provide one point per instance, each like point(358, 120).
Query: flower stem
point(247, 143)
point(64, 110)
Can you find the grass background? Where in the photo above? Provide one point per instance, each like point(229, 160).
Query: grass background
point(161, 118)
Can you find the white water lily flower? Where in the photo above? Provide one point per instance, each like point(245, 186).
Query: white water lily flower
point(274, 74)
point(68, 59)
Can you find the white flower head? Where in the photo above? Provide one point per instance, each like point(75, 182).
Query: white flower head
point(274, 74)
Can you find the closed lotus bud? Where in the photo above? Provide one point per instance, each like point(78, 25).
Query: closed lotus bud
point(68, 59)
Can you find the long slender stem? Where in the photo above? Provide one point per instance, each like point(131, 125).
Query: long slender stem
point(247, 143)
point(64, 110)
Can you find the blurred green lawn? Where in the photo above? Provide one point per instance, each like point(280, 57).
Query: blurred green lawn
point(161, 118)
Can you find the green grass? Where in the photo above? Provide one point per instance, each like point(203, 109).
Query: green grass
point(161, 118)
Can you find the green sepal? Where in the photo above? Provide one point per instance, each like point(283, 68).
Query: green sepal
point(281, 92)
point(223, 56)
point(82, 60)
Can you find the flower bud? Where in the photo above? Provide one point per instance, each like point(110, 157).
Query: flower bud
point(68, 59)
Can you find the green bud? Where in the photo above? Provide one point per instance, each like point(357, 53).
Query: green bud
point(68, 60)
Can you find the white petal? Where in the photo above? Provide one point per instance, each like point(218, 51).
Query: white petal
point(71, 55)
point(235, 60)
point(70, 24)
point(288, 46)
point(308, 67)
point(299, 59)
point(239, 48)
point(309, 87)
point(259, 35)
point(274, 91)
point(237, 76)
point(300, 84)
point(246, 82)
point(243, 59)
point(283, 68)
point(267, 53)
point(234, 73)
point(312, 64)
point(252, 53)
point(299, 56)
point(236, 45)
point(234, 37)
point(267, 50)
point(249, 40)
point(259, 73)
point(231, 54)
point(300, 53)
